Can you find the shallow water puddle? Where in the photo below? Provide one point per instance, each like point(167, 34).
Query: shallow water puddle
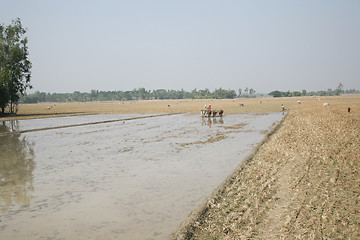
point(136, 179)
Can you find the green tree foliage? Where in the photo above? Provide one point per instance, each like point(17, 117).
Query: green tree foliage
point(252, 91)
point(222, 94)
point(14, 64)
point(135, 94)
point(339, 89)
point(329, 92)
point(285, 94)
point(143, 94)
point(277, 94)
point(246, 91)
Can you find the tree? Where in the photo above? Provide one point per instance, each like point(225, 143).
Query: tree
point(329, 92)
point(276, 93)
point(339, 89)
point(4, 93)
point(14, 64)
point(224, 94)
point(246, 91)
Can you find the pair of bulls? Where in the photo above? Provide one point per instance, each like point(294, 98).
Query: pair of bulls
point(211, 113)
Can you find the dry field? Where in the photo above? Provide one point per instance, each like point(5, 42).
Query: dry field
point(302, 183)
point(229, 106)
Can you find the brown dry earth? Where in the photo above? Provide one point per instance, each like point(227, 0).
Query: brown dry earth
point(303, 182)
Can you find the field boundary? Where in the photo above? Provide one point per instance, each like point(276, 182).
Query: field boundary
point(186, 228)
point(84, 124)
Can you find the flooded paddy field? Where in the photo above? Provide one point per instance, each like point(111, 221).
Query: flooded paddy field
point(133, 179)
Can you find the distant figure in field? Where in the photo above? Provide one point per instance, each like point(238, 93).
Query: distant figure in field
point(348, 109)
point(282, 107)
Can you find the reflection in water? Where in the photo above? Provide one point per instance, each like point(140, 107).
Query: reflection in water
point(16, 168)
point(209, 121)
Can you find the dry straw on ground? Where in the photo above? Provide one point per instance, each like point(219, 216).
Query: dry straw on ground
point(303, 183)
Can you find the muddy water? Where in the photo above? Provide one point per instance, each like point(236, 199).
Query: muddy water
point(136, 179)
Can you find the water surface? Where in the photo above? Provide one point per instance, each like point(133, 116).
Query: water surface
point(136, 179)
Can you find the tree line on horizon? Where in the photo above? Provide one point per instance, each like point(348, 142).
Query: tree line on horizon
point(330, 92)
point(143, 94)
point(136, 94)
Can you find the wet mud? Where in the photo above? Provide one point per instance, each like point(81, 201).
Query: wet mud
point(135, 179)
point(86, 123)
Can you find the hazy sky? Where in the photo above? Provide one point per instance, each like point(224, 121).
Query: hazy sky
point(121, 45)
